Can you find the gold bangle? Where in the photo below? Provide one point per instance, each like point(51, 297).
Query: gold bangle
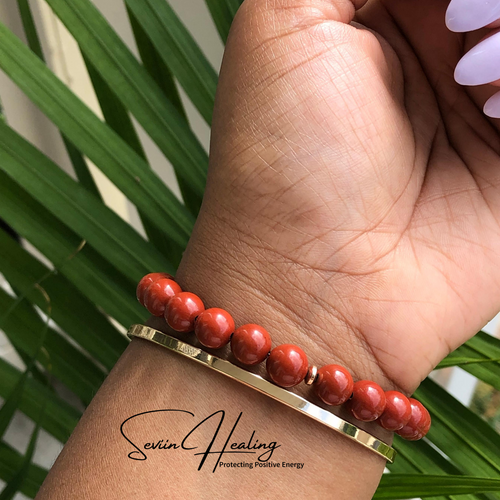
point(257, 382)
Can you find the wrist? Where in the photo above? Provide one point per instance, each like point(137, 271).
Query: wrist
point(227, 271)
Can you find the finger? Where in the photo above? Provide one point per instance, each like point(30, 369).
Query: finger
point(469, 15)
point(481, 65)
point(492, 106)
point(494, 24)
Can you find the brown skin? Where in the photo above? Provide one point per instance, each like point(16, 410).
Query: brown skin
point(352, 207)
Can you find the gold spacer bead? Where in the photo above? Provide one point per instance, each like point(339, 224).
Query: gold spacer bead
point(312, 375)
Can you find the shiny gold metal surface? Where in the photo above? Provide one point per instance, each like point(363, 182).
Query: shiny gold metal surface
point(257, 382)
point(312, 375)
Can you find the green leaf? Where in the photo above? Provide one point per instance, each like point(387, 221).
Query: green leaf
point(223, 12)
point(17, 482)
point(30, 28)
point(480, 357)
point(461, 360)
point(135, 88)
point(11, 403)
point(10, 462)
point(420, 457)
point(485, 344)
point(71, 310)
point(81, 168)
point(402, 466)
point(468, 441)
point(401, 486)
point(155, 66)
point(77, 160)
point(8, 409)
point(481, 346)
point(487, 372)
point(60, 417)
point(98, 142)
point(179, 51)
point(23, 325)
point(119, 120)
point(114, 112)
point(95, 277)
point(487, 347)
point(35, 371)
point(423, 457)
point(21, 476)
point(117, 241)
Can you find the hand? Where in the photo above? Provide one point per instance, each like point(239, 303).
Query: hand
point(353, 199)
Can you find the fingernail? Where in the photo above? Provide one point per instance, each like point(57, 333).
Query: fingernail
point(469, 15)
point(481, 64)
point(492, 106)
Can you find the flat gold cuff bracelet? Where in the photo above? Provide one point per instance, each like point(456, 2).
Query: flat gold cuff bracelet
point(257, 382)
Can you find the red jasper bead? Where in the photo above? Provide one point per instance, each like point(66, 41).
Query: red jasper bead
point(148, 280)
point(418, 425)
point(158, 294)
point(182, 310)
point(334, 385)
point(250, 344)
point(368, 401)
point(397, 411)
point(287, 365)
point(213, 327)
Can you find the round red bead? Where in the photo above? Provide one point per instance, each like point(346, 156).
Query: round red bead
point(158, 294)
point(368, 401)
point(334, 385)
point(287, 365)
point(146, 281)
point(250, 344)
point(182, 310)
point(418, 425)
point(397, 411)
point(213, 327)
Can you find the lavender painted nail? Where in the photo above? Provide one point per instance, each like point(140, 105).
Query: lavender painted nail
point(481, 64)
point(492, 106)
point(469, 15)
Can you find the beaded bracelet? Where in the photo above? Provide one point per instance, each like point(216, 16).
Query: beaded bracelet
point(255, 381)
point(286, 364)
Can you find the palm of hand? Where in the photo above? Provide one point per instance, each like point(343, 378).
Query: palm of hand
point(362, 174)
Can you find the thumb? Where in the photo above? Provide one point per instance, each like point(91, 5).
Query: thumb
point(269, 40)
point(302, 91)
point(283, 15)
